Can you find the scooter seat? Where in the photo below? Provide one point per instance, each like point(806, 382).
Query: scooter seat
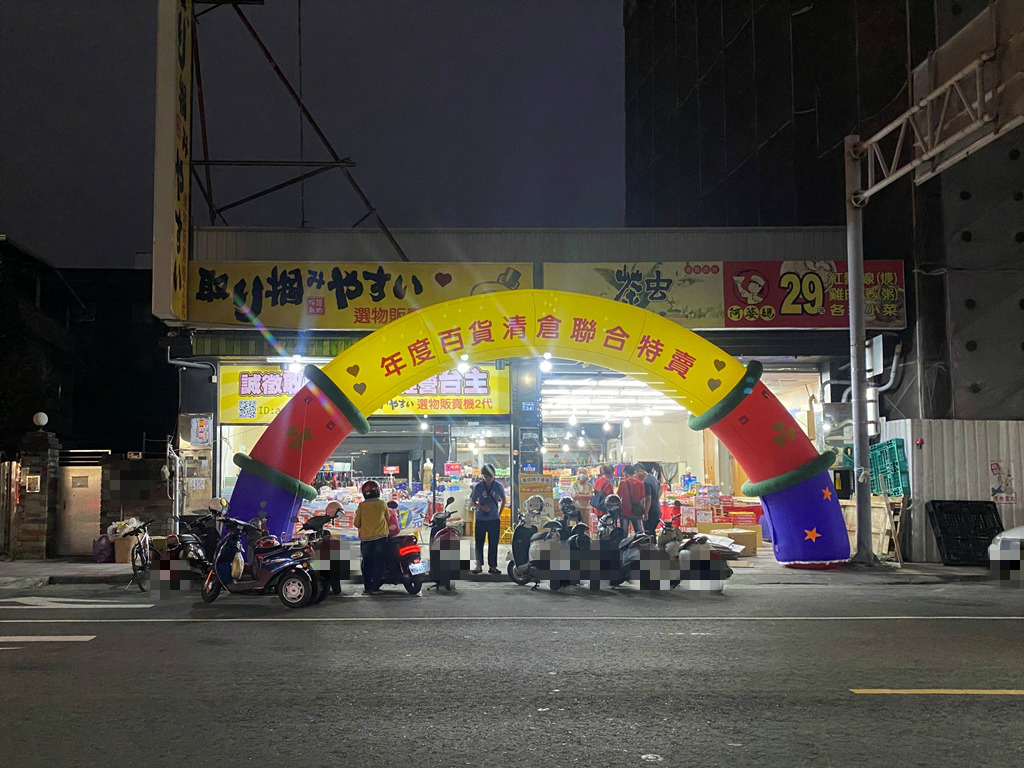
point(629, 540)
point(543, 535)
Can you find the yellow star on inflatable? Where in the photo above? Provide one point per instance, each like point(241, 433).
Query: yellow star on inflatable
point(812, 534)
point(826, 494)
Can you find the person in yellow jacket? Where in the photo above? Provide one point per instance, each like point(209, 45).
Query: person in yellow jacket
point(372, 522)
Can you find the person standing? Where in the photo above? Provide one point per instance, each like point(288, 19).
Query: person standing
point(582, 493)
point(487, 500)
point(372, 523)
point(604, 487)
point(652, 490)
point(635, 504)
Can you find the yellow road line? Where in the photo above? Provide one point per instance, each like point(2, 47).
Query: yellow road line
point(939, 691)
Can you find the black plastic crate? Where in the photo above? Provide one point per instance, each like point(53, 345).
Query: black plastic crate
point(964, 529)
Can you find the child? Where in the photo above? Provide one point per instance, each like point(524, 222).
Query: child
point(372, 522)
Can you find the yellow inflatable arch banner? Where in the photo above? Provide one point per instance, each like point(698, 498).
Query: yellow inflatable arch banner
point(802, 514)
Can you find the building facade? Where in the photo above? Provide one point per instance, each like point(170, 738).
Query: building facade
point(735, 116)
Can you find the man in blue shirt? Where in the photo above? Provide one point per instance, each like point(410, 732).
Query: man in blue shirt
point(652, 494)
point(487, 500)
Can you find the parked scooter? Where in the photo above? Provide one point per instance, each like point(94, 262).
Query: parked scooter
point(445, 552)
point(284, 569)
point(532, 550)
point(622, 556)
point(195, 538)
point(701, 559)
point(526, 557)
point(403, 565)
point(314, 534)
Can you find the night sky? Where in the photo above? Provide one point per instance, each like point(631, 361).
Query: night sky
point(489, 113)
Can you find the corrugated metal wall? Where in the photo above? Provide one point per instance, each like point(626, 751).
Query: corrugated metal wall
point(537, 245)
point(953, 463)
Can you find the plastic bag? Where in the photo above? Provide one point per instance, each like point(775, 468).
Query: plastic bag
point(103, 549)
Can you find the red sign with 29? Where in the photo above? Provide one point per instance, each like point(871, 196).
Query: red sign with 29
point(811, 294)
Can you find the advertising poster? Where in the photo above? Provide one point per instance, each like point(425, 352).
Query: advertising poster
point(811, 294)
point(352, 296)
point(256, 394)
point(1002, 483)
point(752, 294)
point(688, 293)
point(538, 485)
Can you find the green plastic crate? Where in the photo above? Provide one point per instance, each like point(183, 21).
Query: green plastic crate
point(889, 461)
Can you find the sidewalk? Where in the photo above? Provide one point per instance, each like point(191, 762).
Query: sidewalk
point(760, 570)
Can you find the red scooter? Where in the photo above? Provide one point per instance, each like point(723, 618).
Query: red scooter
point(445, 554)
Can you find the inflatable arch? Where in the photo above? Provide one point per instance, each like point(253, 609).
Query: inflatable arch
point(802, 514)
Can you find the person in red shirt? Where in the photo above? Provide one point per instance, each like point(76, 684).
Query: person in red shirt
point(634, 499)
point(604, 487)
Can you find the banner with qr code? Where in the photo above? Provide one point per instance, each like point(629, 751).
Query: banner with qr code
point(255, 394)
point(353, 296)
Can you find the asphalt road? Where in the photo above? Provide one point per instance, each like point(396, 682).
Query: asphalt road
point(498, 676)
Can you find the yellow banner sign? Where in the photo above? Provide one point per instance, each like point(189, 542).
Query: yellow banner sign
point(255, 394)
point(688, 293)
point(336, 295)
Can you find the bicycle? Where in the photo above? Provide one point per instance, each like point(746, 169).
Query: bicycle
point(142, 557)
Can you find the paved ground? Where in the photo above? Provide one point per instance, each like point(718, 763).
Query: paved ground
point(498, 676)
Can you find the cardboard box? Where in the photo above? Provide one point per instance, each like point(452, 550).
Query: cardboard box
point(744, 536)
point(123, 549)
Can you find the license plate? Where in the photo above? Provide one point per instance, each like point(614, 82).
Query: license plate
point(417, 568)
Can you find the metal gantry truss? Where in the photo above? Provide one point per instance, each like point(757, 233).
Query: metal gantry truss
point(952, 113)
point(337, 162)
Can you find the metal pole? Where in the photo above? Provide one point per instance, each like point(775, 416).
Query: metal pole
point(858, 374)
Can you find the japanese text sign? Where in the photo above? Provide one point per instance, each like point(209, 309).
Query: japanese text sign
point(337, 295)
point(761, 294)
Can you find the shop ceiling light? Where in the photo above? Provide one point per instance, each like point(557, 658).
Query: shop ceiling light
point(545, 366)
point(581, 442)
point(572, 420)
point(626, 423)
point(547, 355)
point(606, 426)
point(462, 367)
point(647, 421)
point(568, 434)
point(543, 449)
point(565, 447)
point(423, 426)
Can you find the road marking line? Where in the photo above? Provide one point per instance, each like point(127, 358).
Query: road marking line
point(397, 619)
point(938, 691)
point(46, 638)
point(65, 603)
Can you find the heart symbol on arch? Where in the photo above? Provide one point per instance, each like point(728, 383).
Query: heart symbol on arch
point(352, 370)
point(714, 384)
point(719, 365)
point(442, 278)
point(360, 388)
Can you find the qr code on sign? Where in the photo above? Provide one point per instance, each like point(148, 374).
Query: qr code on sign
point(247, 409)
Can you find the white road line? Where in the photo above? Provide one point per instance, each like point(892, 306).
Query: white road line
point(65, 603)
point(399, 619)
point(46, 638)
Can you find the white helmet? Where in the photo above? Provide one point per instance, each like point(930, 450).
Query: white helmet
point(535, 504)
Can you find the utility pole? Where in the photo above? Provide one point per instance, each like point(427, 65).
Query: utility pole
point(853, 153)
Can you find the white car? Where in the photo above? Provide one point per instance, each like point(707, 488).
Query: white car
point(1005, 556)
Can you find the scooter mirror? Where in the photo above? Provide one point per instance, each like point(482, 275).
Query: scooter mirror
point(296, 520)
point(451, 500)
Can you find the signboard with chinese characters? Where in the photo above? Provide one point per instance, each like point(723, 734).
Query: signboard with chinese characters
point(255, 394)
point(755, 294)
point(172, 179)
point(811, 294)
point(688, 293)
point(482, 390)
point(336, 295)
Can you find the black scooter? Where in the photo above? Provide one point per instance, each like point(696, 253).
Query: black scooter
point(554, 553)
point(330, 570)
point(445, 550)
point(403, 565)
